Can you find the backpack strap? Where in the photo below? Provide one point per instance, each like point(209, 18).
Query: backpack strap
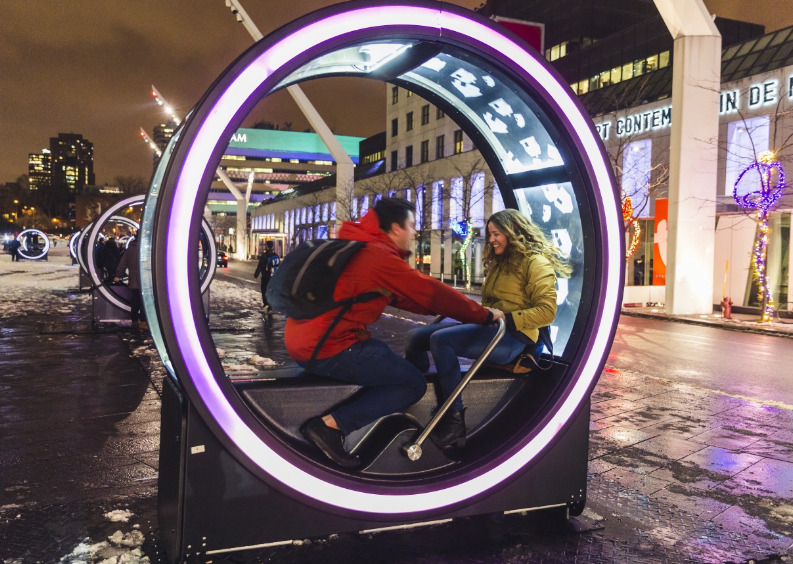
point(346, 305)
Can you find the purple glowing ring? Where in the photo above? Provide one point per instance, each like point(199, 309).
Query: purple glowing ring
point(191, 172)
point(23, 239)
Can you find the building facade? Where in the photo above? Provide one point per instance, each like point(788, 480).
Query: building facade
point(72, 161)
point(40, 170)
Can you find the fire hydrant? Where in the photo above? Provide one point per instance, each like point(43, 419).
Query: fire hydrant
point(726, 308)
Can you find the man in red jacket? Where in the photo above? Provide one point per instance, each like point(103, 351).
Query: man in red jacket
point(390, 383)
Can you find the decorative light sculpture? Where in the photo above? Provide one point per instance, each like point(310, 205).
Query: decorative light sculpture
point(762, 200)
point(627, 217)
point(465, 231)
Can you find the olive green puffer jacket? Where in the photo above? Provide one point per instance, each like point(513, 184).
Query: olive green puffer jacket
point(528, 296)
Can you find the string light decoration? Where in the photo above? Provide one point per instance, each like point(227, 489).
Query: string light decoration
point(627, 217)
point(465, 231)
point(762, 200)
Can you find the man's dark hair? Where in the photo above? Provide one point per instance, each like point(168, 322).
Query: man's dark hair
point(393, 210)
point(269, 244)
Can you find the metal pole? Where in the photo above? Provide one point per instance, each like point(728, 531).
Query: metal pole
point(413, 451)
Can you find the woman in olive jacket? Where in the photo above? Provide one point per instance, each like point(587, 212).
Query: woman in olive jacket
point(520, 286)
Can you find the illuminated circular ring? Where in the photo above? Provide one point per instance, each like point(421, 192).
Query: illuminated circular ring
point(23, 249)
point(82, 254)
point(74, 238)
point(190, 171)
point(110, 214)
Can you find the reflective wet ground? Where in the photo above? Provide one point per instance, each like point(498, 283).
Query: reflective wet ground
point(678, 472)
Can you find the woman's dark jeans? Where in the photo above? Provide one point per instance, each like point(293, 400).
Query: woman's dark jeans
point(447, 341)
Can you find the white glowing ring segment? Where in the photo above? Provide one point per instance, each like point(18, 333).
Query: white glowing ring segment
point(187, 188)
point(22, 238)
point(109, 295)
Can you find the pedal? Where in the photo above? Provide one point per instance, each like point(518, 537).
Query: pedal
point(392, 460)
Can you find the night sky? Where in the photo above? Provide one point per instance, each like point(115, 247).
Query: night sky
point(85, 66)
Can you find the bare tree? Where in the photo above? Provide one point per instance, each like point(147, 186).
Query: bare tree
point(470, 168)
point(132, 185)
point(635, 179)
point(758, 147)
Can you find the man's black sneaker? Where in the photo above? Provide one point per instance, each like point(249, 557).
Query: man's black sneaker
point(330, 442)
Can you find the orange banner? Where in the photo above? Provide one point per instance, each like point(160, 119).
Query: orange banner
point(659, 240)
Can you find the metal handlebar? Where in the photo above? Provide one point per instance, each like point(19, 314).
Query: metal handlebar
point(413, 451)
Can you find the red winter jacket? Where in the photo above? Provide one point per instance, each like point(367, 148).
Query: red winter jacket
point(380, 264)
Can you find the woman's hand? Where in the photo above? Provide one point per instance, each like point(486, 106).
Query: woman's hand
point(497, 314)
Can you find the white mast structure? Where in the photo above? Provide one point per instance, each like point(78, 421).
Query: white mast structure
point(344, 165)
point(242, 199)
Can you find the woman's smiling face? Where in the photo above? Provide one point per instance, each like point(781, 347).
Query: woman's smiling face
point(496, 239)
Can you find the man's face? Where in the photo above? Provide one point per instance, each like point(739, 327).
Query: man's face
point(403, 236)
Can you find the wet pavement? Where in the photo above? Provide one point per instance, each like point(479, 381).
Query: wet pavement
point(678, 472)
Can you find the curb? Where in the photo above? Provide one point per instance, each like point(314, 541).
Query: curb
point(728, 327)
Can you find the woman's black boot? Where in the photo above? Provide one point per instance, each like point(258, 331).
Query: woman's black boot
point(450, 430)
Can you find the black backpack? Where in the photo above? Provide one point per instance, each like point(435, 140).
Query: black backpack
point(305, 281)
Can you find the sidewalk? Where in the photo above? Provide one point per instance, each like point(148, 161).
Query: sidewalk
point(738, 322)
point(676, 473)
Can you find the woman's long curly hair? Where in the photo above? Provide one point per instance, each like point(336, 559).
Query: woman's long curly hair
point(523, 239)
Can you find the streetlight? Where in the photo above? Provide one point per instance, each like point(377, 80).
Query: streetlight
point(16, 213)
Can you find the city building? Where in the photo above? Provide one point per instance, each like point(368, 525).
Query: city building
point(40, 170)
point(617, 56)
point(162, 133)
point(72, 161)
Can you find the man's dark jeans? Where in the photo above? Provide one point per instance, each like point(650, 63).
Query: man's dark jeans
point(390, 383)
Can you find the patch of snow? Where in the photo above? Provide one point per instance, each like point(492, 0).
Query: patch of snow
point(119, 515)
point(262, 361)
point(135, 538)
point(28, 286)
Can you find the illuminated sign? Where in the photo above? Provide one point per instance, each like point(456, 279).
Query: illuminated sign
point(756, 96)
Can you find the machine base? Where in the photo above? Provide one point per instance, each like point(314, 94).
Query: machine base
point(209, 502)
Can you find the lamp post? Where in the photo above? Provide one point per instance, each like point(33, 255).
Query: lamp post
point(16, 213)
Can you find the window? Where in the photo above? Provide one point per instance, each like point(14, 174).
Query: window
point(456, 201)
point(458, 141)
point(636, 170)
point(425, 151)
point(425, 114)
point(364, 205)
point(409, 121)
point(394, 95)
point(394, 159)
point(419, 207)
point(409, 155)
point(409, 94)
point(477, 209)
point(663, 59)
point(440, 143)
point(394, 127)
point(745, 140)
point(439, 113)
point(437, 204)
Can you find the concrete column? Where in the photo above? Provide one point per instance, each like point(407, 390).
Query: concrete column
point(692, 174)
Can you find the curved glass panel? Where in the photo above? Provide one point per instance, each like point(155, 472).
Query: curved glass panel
point(147, 225)
point(514, 127)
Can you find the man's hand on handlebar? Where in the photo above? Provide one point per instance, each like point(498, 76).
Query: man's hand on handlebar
point(497, 314)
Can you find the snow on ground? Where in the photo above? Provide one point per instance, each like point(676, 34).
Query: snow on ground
point(228, 297)
point(119, 548)
point(38, 286)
